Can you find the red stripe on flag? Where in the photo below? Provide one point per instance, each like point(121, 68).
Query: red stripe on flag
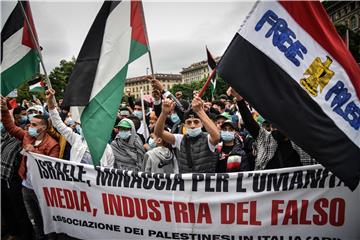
point(137, 22)
point(26, 37)
point(312, 17)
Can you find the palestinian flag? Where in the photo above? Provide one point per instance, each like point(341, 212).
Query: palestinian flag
point(36, 85)
point(19, 60)
point(288, 61)
point(212, 66)
point(116, 38)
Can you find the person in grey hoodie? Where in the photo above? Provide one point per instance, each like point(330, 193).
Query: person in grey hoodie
point(127, 147)
point(160, 158)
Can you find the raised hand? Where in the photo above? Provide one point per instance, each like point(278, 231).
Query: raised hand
point(49, 94)
point(197, 104)
point(232, 92)
point(167, 106)
point(156, 84)
point(3, 103)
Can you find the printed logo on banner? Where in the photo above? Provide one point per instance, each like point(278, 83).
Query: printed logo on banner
point(318, 74)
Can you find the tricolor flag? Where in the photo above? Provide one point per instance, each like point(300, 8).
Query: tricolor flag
point(116, 38)
point(19, 60)
point(288, 61)
point(36, 85)
point(212, 66)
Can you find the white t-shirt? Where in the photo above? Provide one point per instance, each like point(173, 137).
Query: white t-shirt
point(179, 137)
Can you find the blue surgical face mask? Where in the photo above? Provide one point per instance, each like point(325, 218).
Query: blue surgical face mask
point(138, 114)
point(175, 118)
point(193, 132)
point(124, 134)
point(70, 122)
point(31, 115)
point(227, 136)
point(23, 119)
point(152, 143)
point(33, 132)
point(79, 130)
point(1, 126)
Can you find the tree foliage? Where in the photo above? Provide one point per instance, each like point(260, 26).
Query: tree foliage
point(188, 88)
point(60, 75)
point(59, 78)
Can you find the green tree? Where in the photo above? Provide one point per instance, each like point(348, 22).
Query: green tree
point(188, 88)
point(60, 75)
point(23, 92)
point(59, 78)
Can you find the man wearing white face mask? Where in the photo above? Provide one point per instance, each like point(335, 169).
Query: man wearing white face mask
point(36, 140)
point(196, 148)
point(127, 147)
point(231, 156)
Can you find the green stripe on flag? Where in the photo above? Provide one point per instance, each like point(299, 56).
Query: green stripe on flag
point(25, 69)
point(137, 49)
point(98, 118)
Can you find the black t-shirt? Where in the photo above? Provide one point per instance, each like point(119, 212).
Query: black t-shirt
point(221, 165)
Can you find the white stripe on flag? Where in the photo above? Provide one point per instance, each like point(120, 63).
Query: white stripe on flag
point(14, 50)
point(115, 49)
point(35, 86)
point(257, 38)
point(76, 113)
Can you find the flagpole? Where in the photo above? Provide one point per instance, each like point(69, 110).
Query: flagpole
point(207, 82)
point(147, 41)
point(347, 38)
point(146, 132)
point(36, 45)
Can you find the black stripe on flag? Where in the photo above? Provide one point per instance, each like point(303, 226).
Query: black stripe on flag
point(281, 100)
point(35, 80)
point(13, 24)
point(82, 78)
point(210, 59)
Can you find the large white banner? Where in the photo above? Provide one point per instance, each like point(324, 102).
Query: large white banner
point(305, 203)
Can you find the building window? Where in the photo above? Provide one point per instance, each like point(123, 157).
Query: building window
point(342, 12)
point(353, 22)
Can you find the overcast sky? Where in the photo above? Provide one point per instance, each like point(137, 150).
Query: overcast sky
point(178, 31)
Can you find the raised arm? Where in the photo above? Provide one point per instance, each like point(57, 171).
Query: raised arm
point(9, 124)
point(160, 124)
point(64, 130)
point(197, 107)
point(250, 123)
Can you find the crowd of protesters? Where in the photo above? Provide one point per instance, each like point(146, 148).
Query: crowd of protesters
point(224, 135)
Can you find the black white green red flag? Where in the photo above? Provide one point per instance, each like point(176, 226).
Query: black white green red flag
point(212, 65)
point(19, 60)
point(116, 38)
point(37, 85)
point(288, 61)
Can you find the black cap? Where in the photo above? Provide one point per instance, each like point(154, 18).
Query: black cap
point(190, 114)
